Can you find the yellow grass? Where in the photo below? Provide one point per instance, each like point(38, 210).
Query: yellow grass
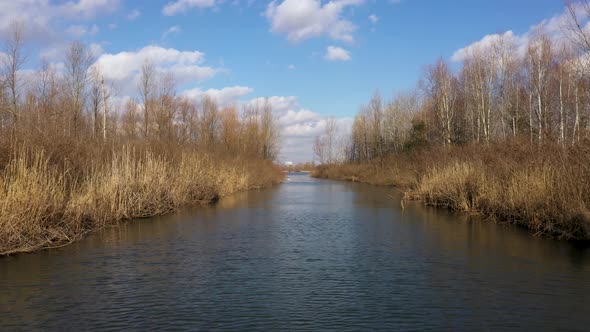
point(41, 207)
point(545, 189)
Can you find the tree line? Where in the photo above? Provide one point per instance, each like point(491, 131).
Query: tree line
point(52, 106)
point(538, 92)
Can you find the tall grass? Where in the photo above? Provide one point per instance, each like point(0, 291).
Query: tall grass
point(43, 206)
point(546, 189)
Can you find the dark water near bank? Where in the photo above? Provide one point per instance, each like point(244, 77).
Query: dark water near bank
point(307, 255)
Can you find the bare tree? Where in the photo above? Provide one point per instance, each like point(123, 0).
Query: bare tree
point(442, 91)
point(397, 120)
point(147, 87)
point(78, 60)
point(539, 59)
point(96, 99)
point(319, 148)
point(269, 133)
point(11, 66)
point(575, 27)
point(375, 110)
point(165, 108)
point(188, 121)
point(331, 133)
point(325, 144)
point(130, 119)
point(209, 121)
point(230, 129)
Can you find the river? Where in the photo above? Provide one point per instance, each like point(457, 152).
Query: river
point(306, 255)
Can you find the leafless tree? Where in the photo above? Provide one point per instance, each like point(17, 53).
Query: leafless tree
point(442, 90)
point(575, 28)
point(13, 62)
point(78, 60)
point(147, 90)
point(539, 59)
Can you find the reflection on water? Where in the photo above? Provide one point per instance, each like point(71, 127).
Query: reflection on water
point(307, 255)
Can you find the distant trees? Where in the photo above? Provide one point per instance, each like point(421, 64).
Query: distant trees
point(75, 107)
point(579, 11)
point(78, 60)
point(11, 66)
point(441, 90)
point(539, 93)
point(325, 146)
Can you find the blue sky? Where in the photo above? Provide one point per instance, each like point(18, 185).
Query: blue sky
point(243, 50)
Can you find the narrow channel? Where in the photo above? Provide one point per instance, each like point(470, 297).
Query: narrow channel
point(307, 255)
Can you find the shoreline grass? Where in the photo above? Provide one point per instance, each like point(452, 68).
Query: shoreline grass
point(44, 207)
point(548, 193)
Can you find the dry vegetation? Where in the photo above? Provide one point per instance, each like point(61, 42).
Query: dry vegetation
point(549, 193)
point(506, 136)
point(42, 206)
point(73, 161)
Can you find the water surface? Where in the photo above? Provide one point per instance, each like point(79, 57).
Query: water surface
point(306, 255)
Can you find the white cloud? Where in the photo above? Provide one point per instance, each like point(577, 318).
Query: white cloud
point(291, 67)
point(86, 8)
point(39, 16)
point(279, 104)
point(305, 19)
point(224, 97)
point(553, 27)
point(133, 14)
point(299, 126)
point(78, 30)
point(374, 18)
point(334, 53)
point(124, 68)
point(172, 30)
point(486, 43)
point(181, 6)
point(3, 57)
point(96, 49)
point(56, 53)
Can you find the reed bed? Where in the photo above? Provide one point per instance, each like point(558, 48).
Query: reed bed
point(545, 189)
point(44, 206)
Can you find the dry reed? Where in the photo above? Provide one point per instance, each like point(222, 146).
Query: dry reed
point(41, 207)
point(546, 190)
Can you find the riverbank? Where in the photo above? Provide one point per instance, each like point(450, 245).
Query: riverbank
point(45, 205)
point(543, 188)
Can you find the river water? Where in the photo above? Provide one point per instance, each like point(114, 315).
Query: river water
point(307, 255)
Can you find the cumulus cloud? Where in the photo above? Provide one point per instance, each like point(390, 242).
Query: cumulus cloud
point(124, 68)
point(299, 130)
point(181, 6)
point(334, 53)
point(553, 27)
point(374, 18)
point(78, 30)
point(305, 19)
point(487, 42)
point(133, 14)
point(299, 126)
point(224, 97)
point(39, 15)
point(279, 104)
point(172, 30)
